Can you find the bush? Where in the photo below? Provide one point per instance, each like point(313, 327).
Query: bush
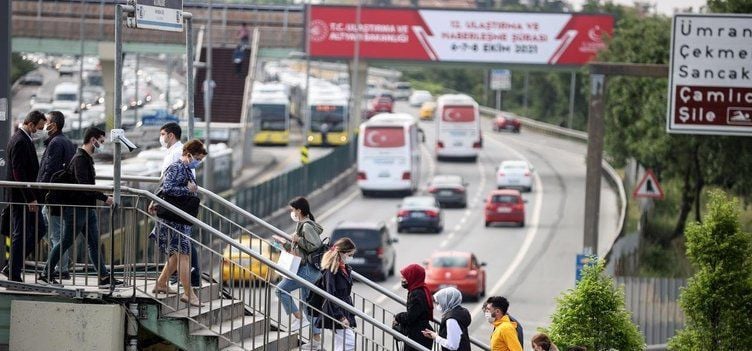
point(717, 301)
point(593, 315)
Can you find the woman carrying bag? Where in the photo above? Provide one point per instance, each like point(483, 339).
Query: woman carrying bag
point(338, 281)
point(174, 233)
point(419, 307)
point(305, 240)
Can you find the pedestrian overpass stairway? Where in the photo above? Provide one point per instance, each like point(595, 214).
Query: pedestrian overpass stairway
point(239, 309)
point(227, 99)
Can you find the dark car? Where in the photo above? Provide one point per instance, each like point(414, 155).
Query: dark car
point(507, 121)
point(421, 213)
point(376, 255)
point(449, 190)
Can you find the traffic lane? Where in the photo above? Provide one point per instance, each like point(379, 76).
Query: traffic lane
point(21, 101)
point(549, 268)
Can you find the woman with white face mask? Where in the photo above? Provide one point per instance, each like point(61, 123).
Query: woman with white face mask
point(305, 240)
point(338, 282)
point(455, 320)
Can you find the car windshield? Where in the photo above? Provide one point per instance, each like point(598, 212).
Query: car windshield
point(363, 238)
point(449, 262)
point(504, 199)
point(418, 202)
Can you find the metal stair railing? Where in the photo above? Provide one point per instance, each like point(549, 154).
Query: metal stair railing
point(242, 219)
point(232, 316)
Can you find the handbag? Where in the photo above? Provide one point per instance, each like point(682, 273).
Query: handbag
point(188, 204)
point(289, 262)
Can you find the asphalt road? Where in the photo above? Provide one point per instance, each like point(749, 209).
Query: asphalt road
point(531, 266)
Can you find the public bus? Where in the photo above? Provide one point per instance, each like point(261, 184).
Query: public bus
point(328, 113)
point(457, 127)
point(389, 154)
point(270, 112)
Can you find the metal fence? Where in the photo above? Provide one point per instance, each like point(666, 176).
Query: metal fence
point(654, 303)
point(265, 198)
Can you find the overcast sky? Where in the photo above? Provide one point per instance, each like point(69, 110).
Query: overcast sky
point(665, 7)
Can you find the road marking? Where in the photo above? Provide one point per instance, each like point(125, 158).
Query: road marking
point(444, 243)
point(336, 207)
point(529, 235)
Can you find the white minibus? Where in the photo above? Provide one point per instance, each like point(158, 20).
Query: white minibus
point(457, 127)
point(389, 154)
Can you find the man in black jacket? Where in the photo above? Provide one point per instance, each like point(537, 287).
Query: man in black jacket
point(57, 155)
point(28, 224)
point(83, 218)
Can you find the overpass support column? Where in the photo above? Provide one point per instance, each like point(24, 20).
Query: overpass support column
point(358, 81)
point(107, 61)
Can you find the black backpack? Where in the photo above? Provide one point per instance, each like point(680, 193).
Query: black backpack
point(62, 197)
point(314, 301)
point(316, 255)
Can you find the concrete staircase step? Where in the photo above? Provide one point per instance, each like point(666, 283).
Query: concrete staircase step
point(235, 329)
point(212, 312)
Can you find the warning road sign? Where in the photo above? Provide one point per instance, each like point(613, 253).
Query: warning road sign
point(648, 187)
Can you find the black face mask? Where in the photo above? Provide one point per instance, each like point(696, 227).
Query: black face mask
point(404, 284)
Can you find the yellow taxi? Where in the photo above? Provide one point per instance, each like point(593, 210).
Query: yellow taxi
point(427, 110)
point(238, 266)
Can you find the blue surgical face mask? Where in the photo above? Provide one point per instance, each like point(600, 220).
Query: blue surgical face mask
point(194, 164)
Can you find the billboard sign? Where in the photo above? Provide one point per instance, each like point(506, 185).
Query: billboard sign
point(710, 75)
point(501, 79)
point(457, 36)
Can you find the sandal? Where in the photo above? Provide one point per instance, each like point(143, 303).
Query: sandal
point(193, 302)
point(165, 290)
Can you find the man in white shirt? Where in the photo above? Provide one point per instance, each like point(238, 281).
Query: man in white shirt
point(169, 138)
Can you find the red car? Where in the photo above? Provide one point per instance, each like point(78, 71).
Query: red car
point(505, 205)
point(456, 269)
point(506, 121)
point(379, 104)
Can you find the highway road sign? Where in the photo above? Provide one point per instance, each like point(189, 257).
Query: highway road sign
point(501, 79)
point(648, 187)
point(165, 15)
point(710, 77)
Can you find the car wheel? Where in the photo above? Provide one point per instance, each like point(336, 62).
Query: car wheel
point(483, 292)
point(488, 224)
point(400, 230)
point(516, 130)
point(522, 224)
point(365, 193)
point(391, 270)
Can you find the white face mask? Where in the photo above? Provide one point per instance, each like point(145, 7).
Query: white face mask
point(348, 259)
point(489, 317)
point(163, 141)
point(294, 217)
point(437, 307)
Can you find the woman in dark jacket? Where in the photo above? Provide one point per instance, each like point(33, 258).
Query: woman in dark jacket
point(419, 306)
point(338, 281)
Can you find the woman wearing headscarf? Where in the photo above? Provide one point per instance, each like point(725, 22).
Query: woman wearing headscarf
point(455, 319)
point(419, 306)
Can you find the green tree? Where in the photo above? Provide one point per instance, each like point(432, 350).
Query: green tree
point(717, 301)
point(730, 6)
point(593, 315)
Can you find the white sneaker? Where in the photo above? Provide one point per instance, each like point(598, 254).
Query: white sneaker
point(298, 324)
point(314, 345)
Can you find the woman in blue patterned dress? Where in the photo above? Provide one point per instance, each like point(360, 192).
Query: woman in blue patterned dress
point(174, 237)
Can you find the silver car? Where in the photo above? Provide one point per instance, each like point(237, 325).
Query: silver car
point(449, 190)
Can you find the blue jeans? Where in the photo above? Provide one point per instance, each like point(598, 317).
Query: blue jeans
point(55, 230)
point(79, 221)
point(287, 286)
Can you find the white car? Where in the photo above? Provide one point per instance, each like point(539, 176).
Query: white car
point(418, 97)
point(515, 174)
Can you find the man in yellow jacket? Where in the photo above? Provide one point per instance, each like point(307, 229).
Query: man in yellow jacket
point(504, 337)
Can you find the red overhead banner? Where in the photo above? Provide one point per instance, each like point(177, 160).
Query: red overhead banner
point(457, 36)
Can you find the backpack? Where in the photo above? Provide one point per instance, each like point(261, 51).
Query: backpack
point(316, 255)
point(314, 301)
point(58, 196)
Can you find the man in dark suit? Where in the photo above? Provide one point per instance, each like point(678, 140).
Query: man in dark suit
point(28, 224)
